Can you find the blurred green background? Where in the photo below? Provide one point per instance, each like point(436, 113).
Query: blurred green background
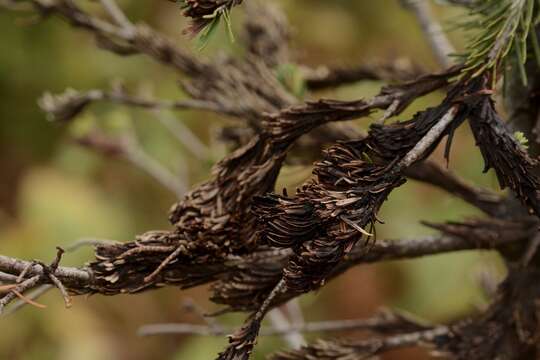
point(53, 192)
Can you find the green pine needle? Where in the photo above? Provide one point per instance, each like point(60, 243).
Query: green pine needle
point(207, 32)
point(213, 19)
point(504, 26)
point(522, 139)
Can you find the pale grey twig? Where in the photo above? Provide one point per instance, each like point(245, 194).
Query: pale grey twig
point(295, 311)
point(7, 278)
point(22, 275)
point(280, 322)
point(118, 15)
point(63, 291)
point(532, 249)
point(184, 135)
point(138, 157)
point(18, 289)
point(429, 139)
point(433, 31)
point(374, 324)
point(191, 306)
point(165, 262)
point(89, 242)
point(73, 276)
point(65, 106)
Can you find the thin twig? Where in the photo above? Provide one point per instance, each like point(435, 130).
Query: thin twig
point(136, 155)
point(374, 324)
point(371, 347)
point(429, 139)
point(17, 290)
point(23, 273)
point(89, 242)
point(131, 150)
point(7, 278)
point(326, 77)
point(434, 174)
point(192, 306)
point(64, 106)
point(165, 262)
point(117, 15)
point(184, 135)
point(67, 299)
point(143, 40)
point(532, 249)
point(433, 31)
point(295, 312)
point(280, 322)
point(77, 278)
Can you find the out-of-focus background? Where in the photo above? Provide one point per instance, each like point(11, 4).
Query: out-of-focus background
point(53, 192)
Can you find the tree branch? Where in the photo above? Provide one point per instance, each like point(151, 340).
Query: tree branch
point(363, 349)
point(434, 174)
point(386, 321)
point(83, 280)
point(433, 31)
point(332, 76)
point(67, 105)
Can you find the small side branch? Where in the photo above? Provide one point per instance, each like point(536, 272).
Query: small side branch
point(363, 349)
point(420, 149)
point(433, 31)
point(432, 173)
point(381, 323)
point(327, 77)
point(74, 278)
point(83, 281)
point(67, 105)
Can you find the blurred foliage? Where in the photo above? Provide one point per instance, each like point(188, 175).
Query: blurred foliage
point(52, 192)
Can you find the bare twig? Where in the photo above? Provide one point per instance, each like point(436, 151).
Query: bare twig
point(7, 278)
point(531, 251)
point(65, 106)
point(363, 349)
point(324, 77)
point(434, 174)
point(128, 147)
point(191, 306)
point(89, 242)
point(280, 322)
point(374, 324)
point(136, 155)
point(23, 273)
point(429, 139)
point(75, 278)
point(165, 262)
point(115, 37)
point(295, 312)
point(63, 291)
point(118, 15)
point(432, 29)
point(184, 135)
point(17, 291)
